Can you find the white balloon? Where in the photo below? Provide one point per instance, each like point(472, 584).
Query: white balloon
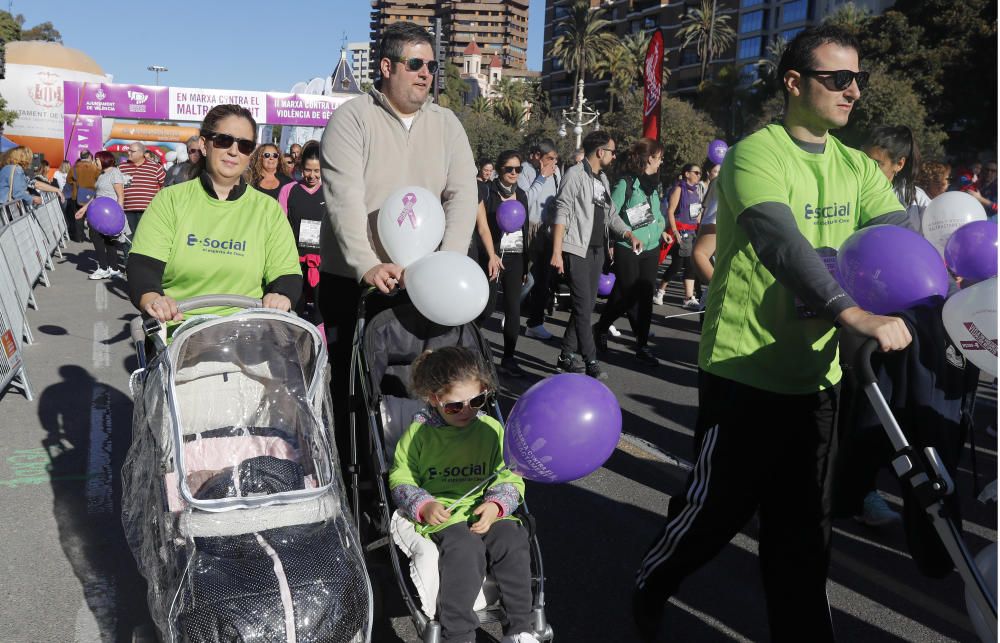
point(946, 213)
point(986, 561)
point(970, 318)
point(410, 224)
point(447, 288)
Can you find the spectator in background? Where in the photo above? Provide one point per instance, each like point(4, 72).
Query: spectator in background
point(486, 171)
point(264, 174)
point(988, 190)
point(145, 179)
point(296, 151)
point(60, 177)
point(111, 184)
point(184, 170)
point(895, 150)
point(540, 179)
point(288, 165)
point(83, 180)
point(14, 182)
point(934, 178)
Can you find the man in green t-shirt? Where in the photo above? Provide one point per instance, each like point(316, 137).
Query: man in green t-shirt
point(789, 195)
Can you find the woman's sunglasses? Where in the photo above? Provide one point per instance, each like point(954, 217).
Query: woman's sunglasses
point(415, 64)
point(507, 169)
point(841, 79)
point(271, 155)
point(478, 402)
point(224, 141)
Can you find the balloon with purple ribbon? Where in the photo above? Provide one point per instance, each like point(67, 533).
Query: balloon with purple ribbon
point(410, 224)
point(105, 215)
point(511, 215)
point(717, 150)
point(562, 428)
point(605, 284)
point(887, 269)
point(971, 251)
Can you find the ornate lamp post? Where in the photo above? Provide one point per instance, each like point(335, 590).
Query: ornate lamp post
point(157, 69)
point(584, 116)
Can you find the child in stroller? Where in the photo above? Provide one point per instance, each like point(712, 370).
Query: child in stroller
point(447, 449)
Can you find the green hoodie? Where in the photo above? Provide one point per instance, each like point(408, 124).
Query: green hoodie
point(648, 234)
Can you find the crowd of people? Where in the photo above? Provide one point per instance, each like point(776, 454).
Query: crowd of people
point(296, 229)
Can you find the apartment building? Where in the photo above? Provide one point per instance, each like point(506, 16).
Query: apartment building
point(361, 61)
point(497, 27)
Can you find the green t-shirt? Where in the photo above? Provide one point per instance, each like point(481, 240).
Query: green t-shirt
point(447, 461)
point(753, 333)
point(649, 234)
point(213, 247)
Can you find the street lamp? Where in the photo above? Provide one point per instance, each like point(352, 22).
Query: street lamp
point(157, 69)
point(584, 116)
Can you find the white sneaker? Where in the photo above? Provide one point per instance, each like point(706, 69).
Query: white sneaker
point(100, 273)
point(658, 297)
point(523, 637)
point(114, 273)
point(538, 332)
point(614, 331)
point(692, 304)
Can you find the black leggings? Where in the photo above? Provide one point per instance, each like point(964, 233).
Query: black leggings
point(511, 277)
point(106, 250)
point(635, 279)
point(676, 262)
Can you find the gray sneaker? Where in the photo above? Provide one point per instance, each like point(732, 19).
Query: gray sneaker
point(569, 363)
point(876, 512)
point(594, 370)
point(538, 332)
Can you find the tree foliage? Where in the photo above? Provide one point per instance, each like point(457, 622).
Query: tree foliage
point(12, 29)
point(583, 40)
point(488, 135)
point(708, 31)
point(7, 117)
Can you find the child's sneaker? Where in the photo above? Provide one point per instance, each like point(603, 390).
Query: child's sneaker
point(876, 512)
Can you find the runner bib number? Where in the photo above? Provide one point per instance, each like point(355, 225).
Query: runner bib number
point(639, 216)
point(309, 233)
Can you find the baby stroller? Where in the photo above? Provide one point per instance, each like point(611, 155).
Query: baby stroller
point(233, 504)
point(384, 347)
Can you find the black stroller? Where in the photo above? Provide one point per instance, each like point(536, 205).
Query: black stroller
point(384, 347)
point(925, 478)
point(233, 504)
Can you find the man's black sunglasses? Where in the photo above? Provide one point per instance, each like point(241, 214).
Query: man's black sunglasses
point(415, 64)
point(842, 78)
point(225, 141)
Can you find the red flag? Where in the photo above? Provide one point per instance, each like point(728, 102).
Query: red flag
point(652, 73)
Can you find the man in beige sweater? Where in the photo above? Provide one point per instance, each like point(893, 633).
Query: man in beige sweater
point(392, 137)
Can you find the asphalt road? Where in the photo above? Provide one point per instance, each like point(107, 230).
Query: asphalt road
point(68, 576)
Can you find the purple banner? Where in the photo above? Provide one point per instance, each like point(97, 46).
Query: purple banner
point(81, 133)
point(120, 101)
point(300, 109)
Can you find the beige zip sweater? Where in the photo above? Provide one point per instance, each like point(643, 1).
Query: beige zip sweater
point(367, 153)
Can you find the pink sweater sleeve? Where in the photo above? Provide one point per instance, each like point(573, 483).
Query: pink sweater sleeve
point(283, 196)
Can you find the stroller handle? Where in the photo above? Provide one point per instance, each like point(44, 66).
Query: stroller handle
point(143, 325)
point(863, 361)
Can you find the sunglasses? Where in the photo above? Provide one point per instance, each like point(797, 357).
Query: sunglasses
point(224, 141)
point(194, 150)
point(695, 172)
point(608, 149)
point(478, 402)
point(416, 64)
point(271, 155)
point(507, 169)
point(841, 79)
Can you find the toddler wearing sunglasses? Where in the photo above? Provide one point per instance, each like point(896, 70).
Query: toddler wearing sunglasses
point(448, 450)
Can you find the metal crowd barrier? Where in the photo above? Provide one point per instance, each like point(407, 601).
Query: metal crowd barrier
point(28, 239)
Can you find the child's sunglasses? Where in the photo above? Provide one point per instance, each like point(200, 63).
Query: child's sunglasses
point(225, 141)
point(478, 402)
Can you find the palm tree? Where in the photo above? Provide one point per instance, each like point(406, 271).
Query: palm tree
point(708, 31)
point(768, 65)
point(481, 105)
point(583, 40)
point(509, 101)
point(624, 63)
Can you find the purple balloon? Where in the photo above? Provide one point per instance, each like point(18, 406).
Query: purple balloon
point(563, 428)
point(106, 216)
point(717, 150)
point(510, 215)
point(971, 251)
point(605, 283)
point(887, 269)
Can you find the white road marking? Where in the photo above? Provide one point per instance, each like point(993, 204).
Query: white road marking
point(101, 297)
point(102, 351)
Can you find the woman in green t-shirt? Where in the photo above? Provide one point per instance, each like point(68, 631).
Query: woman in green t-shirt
point(638, 203)
point(214, 235)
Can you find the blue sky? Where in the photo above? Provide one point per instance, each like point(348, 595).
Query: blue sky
point(224, 44)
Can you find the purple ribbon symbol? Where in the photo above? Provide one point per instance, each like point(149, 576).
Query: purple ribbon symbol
point(409, 200)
